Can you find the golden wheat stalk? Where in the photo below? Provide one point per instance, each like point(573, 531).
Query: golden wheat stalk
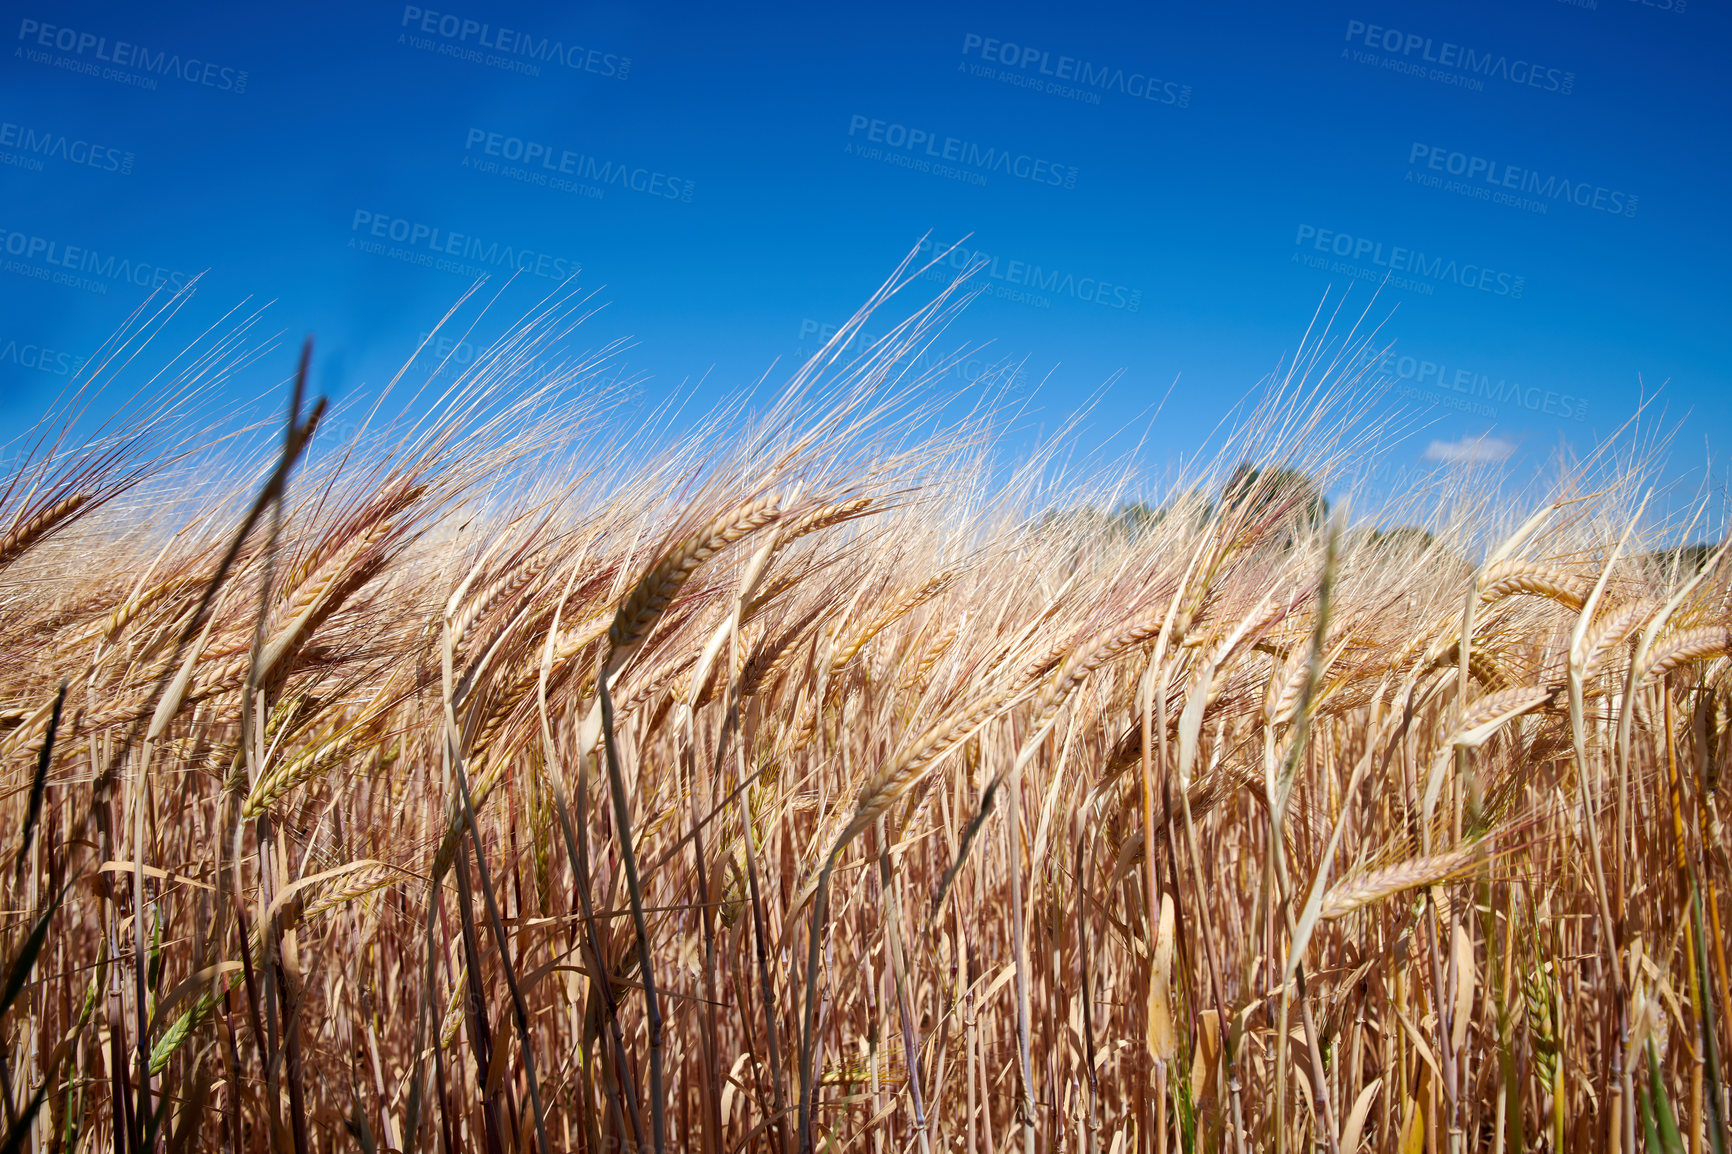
point(28, 532)
point(1482, 719)
point(1613, 626)
point(511, 585)
point(899, 607)
point(1685, 646)
point(931, 653)
point(1482, 665)
point(1508, 578)
point(339, 540)
point(312, 603)
point(662, 583)
point(884, 788)
point(774, 655)
point(824, 517)
point(652, 594)
point(1353, 894)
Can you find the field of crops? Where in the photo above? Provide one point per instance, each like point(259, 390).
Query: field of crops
point(512, 774)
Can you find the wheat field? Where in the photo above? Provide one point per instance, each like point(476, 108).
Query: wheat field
point(493, 770)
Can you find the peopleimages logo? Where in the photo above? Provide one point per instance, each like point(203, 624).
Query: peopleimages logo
point(40, 358)
point(930, 367)
point(1071, 77)
point(45, 259)
point(446, 349)
point(1033, 277)
point(1412, 265)
point(33, 144)
point(515, 50)
point(543, 164)
point(926, 147)
point(1476, 387)
point(1410, 52)
point(439, 248)
point(1507, 184)
point(88, 50)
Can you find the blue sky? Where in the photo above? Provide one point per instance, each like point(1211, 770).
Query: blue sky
point(1167, 191)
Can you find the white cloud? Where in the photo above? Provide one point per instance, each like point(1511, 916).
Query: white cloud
point(1486, 450)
